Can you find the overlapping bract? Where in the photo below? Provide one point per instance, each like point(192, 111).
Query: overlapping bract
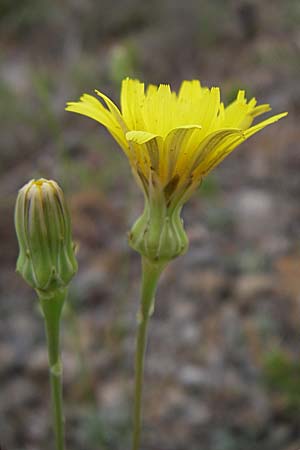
point(173, 140)
point(46, 260)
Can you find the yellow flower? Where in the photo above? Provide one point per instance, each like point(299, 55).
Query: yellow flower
point(173, 140)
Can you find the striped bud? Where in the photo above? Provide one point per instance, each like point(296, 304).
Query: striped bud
point(46, 260)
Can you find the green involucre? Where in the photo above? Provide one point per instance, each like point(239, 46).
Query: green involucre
point(46, 260)
point(159, 234)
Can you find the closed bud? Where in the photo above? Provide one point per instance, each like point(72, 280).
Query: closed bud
point(46, 260)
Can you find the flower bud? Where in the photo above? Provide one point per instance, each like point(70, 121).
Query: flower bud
point(159, 234)
point(46, 260)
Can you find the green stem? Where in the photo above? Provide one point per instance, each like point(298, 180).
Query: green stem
point(52, 308)
point(150, 277)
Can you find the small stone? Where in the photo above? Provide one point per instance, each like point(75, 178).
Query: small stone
point(190, 334)
point(37, 363)
point(112, 395)
point(204, 282)
point(7, 356)
point(18, 393)
point(250, 287)
point(194, 377)
point(38, 424)
point(255, 211)
point(197, 234)
point(196, 414)
point(184, 310)
point(204, 255)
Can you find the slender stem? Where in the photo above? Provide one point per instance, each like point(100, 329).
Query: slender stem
point(52, 308)
point(150, 277)
point(139, 370)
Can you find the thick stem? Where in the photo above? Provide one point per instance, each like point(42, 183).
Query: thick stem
point(52, 308)
point(150, 277)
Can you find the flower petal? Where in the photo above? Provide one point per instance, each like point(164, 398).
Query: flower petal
point(114, 110)
point(132, 100)
point(147, 148)
point(263, 124)
point(241, 113)
point(198, 106)
point(159, 110)
point(214, 149)
point(198, 164)
point(189, 89)
point(227, 145)
point(209, 147)
point(178, 145)
point(91, 107)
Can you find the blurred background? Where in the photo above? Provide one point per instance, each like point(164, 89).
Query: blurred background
point(223, 362)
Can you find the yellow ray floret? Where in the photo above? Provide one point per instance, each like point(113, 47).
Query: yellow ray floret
point(174, 139)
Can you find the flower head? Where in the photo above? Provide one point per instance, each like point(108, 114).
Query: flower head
point(172, 140)
point(46, 260)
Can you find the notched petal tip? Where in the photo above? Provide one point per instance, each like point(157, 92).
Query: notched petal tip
point(70, 105)
point(100, 94)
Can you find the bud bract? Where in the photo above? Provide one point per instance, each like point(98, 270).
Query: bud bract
point(46, 260)
point(158, 234)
